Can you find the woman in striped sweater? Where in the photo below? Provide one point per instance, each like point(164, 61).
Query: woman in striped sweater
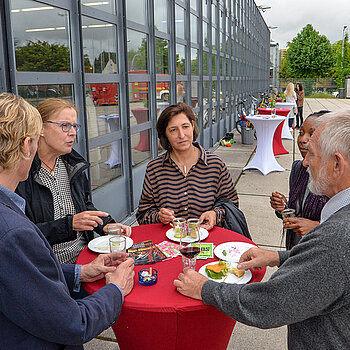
point(187, 180)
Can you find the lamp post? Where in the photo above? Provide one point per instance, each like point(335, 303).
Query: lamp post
point(342, 52)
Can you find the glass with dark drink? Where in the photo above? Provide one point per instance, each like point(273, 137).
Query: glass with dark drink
point(189, 252)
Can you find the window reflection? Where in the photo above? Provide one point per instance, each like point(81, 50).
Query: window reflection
point(194, 61)
point(180, 59)
point(205, 35)
point(194, 4)
point(105, 163)
point(37, 93)
point(205, 63)
point(194, 26)
point(140, 147)
point(162, 56)
point(137, 52)
point(41, 37)
point(180, 22)
point(181, 91)
point(99, 46)
point(161, 19)
point(163, 93)
point(107, 6)
point(194, 94)
point(102, 108)
point(205, 8)
point(136, 11)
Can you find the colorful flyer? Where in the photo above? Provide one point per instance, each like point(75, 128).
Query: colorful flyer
point(207, 250)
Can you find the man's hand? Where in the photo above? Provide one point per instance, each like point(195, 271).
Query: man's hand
point(123, 276)
point(255, 258)
point(125, 230)
point(190, 284)
point(300, 226)
point(104, 263)
point(166, 215)
point(278, 201)
point(87, 220)
point(208, 219)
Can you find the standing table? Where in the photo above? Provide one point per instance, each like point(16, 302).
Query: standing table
point(158, 317)
point(264, 159)
point(285, 131)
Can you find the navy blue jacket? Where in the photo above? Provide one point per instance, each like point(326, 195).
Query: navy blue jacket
point(36, 310)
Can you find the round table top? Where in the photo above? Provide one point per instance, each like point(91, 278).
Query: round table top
point(279, 111)
point(163, 294)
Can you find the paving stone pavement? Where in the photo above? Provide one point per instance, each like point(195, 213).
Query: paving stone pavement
point(254, 191)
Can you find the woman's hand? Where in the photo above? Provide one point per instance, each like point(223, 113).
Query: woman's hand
point(208, 219)
point(300, 226)
point(278, 201)
point(166, 215)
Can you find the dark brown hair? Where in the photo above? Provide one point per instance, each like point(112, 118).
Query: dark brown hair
point(165, 118)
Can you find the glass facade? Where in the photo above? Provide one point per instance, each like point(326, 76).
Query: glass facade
point(122, 62)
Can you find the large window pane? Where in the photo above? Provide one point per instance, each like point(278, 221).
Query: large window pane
point(179, 22)
point(162, 56)
point(161, 19)
point(105, 163)
point(194, 61)
point(180, 59)
point(102, 108)
point(181, 88)
point(140, 147)
point(194, 4)
point(194, 26)
point(205, 35)
point(194, 93)
point(136, 11)
point(99, 46)
point(107, 6)
point(163, 94)
point(205, 8)
point(139, 102)
point(137, 51)
point(205, 63)
point(37, 93)
point(41, 37)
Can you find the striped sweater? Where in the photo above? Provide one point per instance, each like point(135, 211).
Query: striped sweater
point(165, 186)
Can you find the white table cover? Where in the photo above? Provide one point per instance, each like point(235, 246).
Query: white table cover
point(264, 159)
point(285, 130)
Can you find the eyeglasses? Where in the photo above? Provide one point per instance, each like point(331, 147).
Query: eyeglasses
point(66, 126)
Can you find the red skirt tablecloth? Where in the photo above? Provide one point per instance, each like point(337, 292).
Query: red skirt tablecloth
point(278, 147)
point(158, 317)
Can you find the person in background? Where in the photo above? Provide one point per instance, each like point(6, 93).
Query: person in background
point(36, 309)
point(307, 205)
point(300, 104)
point(310, 291)
point(291, 97)
point(57, 192)
point(186, 181)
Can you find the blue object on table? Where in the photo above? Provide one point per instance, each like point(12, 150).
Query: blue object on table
point(146, 279)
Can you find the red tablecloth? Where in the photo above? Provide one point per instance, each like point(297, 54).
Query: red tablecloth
point(278, 147)
point(158, 317)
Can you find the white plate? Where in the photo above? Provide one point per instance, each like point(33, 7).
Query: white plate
point(202, 232)
point(230, 278)
point(101, 244)
point(234, 250)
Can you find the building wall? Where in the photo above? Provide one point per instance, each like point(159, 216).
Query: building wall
point(122, 62)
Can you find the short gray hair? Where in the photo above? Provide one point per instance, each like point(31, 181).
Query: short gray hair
point(335, 135)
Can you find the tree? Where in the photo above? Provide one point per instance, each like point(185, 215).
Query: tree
point(309, 54)
point(341, 66)
point(41, 56)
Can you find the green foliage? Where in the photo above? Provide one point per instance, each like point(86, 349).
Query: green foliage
point(41, 56)
point(309, 54)
point(341, 67)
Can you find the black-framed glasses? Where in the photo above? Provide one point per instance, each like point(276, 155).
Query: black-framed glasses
point(66, 126)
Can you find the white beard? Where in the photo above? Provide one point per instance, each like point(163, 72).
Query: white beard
point(319, 186)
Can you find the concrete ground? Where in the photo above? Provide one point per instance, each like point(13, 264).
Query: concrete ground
point(254, 191)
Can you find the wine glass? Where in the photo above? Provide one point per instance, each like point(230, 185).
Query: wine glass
point(286, 213)
point(187, 250)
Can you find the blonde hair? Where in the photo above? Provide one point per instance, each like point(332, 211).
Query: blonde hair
point(52, 106)
point(18, 120)
point(290, 89)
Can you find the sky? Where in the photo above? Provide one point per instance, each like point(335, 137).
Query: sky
point(290, 16)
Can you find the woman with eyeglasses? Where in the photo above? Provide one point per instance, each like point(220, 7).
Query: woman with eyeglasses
point(56, 191)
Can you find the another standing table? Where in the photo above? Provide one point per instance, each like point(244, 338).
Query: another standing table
point(158, 317)
point(285, 131)
point(264, 159)
point(278, 147)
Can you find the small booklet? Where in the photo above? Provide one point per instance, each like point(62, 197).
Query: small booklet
point(146, 253)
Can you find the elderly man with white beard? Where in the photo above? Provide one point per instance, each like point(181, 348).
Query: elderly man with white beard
point(310, 292)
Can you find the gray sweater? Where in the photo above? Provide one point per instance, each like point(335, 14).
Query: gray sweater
point(310, 292)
